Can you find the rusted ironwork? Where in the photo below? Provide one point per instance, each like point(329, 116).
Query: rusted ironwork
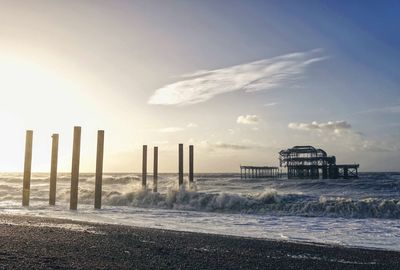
point(310, 162)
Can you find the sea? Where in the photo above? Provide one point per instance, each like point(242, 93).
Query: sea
point(363, 212)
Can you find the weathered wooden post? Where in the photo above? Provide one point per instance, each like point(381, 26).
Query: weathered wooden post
point(180, 165)
point(99, 169)
point(144, 167)
point(191, 167)
point(53, 169)
point(155, 169)
point(27, 168)
point(76, 149)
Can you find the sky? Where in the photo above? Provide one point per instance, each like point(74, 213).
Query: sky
point(240, 80)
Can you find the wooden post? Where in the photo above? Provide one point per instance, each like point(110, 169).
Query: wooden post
point(144, 167)
point(53, 169)
point(76, 149)
point(180, 165)
point(27, 168)
point(191, 163)
point(155, 169)
point(99, 169)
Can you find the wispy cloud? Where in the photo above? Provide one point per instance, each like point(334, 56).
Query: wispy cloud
point(260, 75)
point(270, 104)
point(176, 129)
point(248, 119)
point(170, 129)
point(232, 146)
point(333, 126)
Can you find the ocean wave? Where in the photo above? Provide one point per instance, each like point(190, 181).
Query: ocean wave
point(267, 202)
point(374, 195)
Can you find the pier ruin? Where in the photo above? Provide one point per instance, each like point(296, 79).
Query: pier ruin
point(310, 162)
point(303, 162)
point(258, 172)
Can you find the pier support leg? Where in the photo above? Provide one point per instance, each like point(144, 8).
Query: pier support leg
point(345, 173)
point(76, 149)
point(53, 169)
point(144, 167)
point(324, 172)
point(191, 167)
point(155, 169)
point(27, 168)
point(99, 169)
point(180, 165)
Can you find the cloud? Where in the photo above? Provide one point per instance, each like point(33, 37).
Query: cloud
point(332, 126)
point(241, 146)
point(342, 134)
point(176, 129)
point(270, 104)
point(232, 146)
point(170, 129)
point(248, 119)
point(255, 76)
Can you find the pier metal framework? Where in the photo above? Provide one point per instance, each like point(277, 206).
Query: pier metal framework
point(310, 162)
point(259, 172)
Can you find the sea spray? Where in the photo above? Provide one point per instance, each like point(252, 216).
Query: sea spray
point(373, 196)
point(267, 202)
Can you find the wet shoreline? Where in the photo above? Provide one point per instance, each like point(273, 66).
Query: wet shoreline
point(44, 243)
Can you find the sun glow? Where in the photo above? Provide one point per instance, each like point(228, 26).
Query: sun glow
point(33, 96)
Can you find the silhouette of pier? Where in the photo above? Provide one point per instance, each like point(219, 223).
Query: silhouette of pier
point(310, 162)
point(258, 172)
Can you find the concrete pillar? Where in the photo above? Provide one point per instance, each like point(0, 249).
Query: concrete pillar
point(99, 169)
point(53, 169)
point(27, 168)
point(76, 150)
point(180, 165)
point(191, 165)
point(144, 167)
point(155, 169)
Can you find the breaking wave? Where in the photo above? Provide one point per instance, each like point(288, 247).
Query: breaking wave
point(267, 202)
point(371, 196)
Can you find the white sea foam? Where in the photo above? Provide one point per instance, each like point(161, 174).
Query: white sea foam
point(362, 212)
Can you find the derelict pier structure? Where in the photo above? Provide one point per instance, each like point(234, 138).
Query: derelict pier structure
point(310, 162)
point(259, 172)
